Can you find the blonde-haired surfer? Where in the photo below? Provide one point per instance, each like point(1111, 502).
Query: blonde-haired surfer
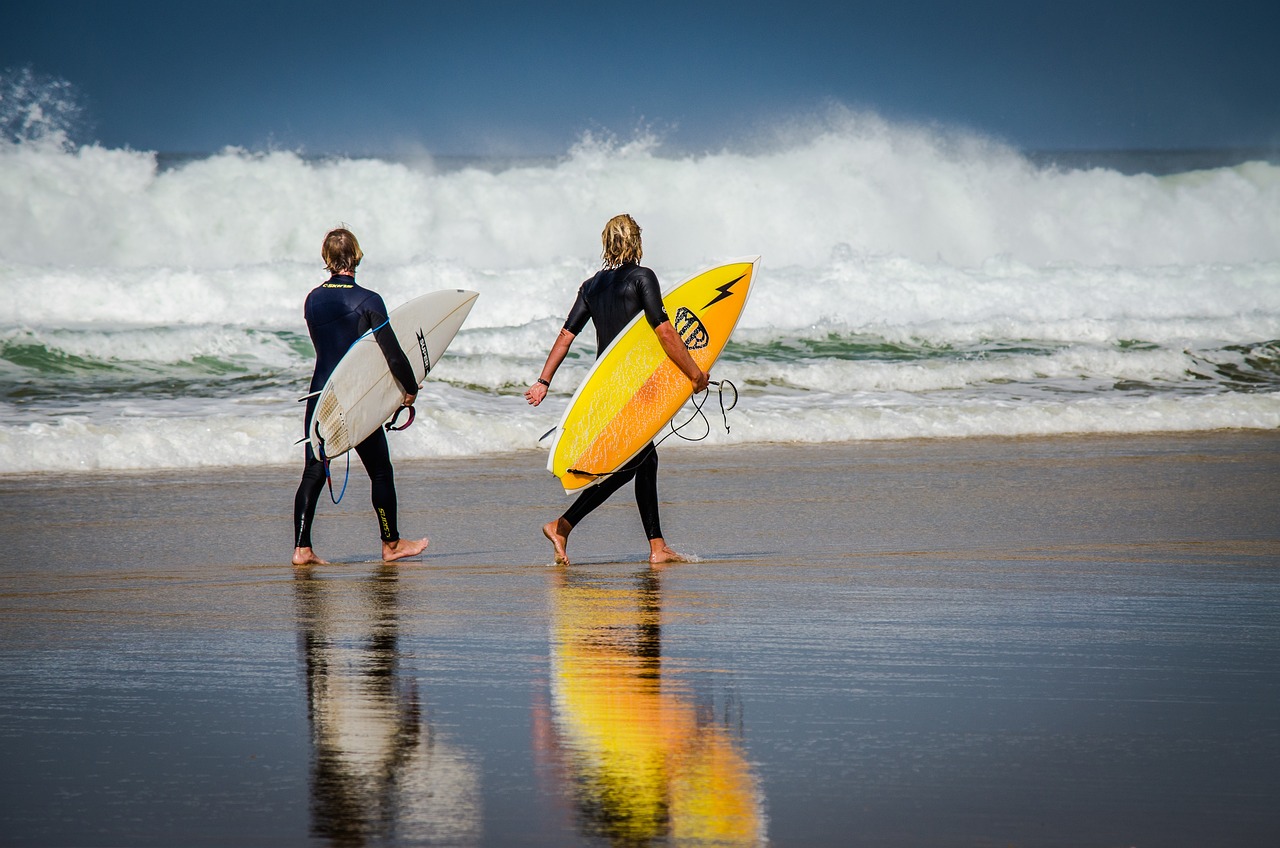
point(620, 291)
point(338, 313)
point(621, 241)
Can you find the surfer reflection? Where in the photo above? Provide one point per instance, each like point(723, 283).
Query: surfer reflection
point(378, 770)
point(645, 762)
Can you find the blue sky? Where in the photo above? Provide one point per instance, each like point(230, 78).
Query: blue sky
point(512, 78)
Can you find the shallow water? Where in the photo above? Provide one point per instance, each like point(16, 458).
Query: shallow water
point(1070, 642)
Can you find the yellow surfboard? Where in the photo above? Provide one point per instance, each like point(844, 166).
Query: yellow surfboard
point(634, 389)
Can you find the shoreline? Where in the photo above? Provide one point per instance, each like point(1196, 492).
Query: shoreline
point(819, 500)
point(501, 457)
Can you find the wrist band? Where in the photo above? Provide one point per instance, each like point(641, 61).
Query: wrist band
point(544, 382)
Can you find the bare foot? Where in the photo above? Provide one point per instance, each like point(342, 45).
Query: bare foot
point(558, 533)
point(306, 556)
point(659, 553)
point(401, 548)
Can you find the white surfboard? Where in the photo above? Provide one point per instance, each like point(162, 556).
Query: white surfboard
point(362, 393)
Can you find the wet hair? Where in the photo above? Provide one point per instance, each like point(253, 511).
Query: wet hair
point(621, 240)
point(341, 252)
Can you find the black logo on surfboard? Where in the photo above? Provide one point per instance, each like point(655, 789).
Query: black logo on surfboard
point(426, 354)
point(725, 291)
point(691, 330)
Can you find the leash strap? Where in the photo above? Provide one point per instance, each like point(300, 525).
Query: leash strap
point(390, 426)
point(698, 403)
point(329, 477)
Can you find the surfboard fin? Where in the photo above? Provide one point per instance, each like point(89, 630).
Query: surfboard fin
point(548, 433)
point(310, 396)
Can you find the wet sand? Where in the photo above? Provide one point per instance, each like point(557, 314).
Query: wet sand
point(964, 642)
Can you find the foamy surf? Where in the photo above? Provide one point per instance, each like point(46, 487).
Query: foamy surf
point(914, 284)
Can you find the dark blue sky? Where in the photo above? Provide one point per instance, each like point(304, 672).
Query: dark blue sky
point(509, 78)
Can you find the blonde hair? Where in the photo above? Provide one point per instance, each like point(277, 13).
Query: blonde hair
point(621, 240)
point(341, 252)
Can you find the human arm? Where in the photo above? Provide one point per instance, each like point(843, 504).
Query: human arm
point(538, 391)
point(397, 361)
point(679, 354)
point(656, 314)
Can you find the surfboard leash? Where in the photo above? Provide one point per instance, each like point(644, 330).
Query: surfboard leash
point(698, 403)
point(391, 426)
point(346, 477)
point(699, 413)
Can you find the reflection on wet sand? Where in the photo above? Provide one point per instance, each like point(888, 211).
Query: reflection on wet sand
point(379, 773)
point(643, 763)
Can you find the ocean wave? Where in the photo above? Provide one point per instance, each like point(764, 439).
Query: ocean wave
point(894, 299)
point(79, 443)
point(86, 366)
point(854, 180)
point(915, 283)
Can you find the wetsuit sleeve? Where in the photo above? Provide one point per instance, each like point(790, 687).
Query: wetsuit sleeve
point(650, 293)
point(580, 314)
point(375, 312)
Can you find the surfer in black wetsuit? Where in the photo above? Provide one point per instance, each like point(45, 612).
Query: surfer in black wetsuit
point(338, 313)
point(620, 291)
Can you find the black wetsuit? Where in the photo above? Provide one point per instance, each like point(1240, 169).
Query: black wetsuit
point(338, 313)
point(610, 300)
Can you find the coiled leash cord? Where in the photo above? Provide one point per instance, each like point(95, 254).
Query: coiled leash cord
point(390, 427)
point(345, 477)
point(676, 429)
point(698, 403)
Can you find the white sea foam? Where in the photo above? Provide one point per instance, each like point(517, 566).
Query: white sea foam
point(1060, 369)
point(81, 443)
point(993, 417)
point(897, 299)
point(880, 189)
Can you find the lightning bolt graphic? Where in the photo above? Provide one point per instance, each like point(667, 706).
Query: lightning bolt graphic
point(725, 291)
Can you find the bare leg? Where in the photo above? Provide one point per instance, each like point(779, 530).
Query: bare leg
point(558, 533)
point(659, 553)
point(401, 548)
point(306, 556)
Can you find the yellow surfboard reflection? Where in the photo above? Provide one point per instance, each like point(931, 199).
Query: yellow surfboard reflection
point(644, 763)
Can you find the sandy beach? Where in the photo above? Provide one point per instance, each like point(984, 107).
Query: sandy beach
point(1058, 641)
